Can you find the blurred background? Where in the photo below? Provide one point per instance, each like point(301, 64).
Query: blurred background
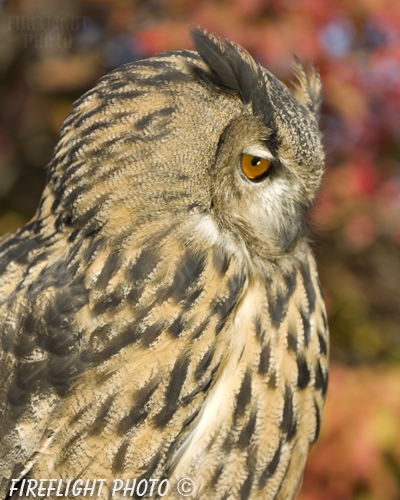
point(52, 52)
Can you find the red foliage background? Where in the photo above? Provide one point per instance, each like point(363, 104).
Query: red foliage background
point(51, 52)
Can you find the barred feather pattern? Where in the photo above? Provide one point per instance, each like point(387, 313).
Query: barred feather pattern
point(157, 348)
point(141, 337)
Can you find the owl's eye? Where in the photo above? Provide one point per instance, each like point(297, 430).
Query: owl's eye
point(255, 168)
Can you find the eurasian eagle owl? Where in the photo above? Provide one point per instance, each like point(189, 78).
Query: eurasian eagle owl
point(161, 315)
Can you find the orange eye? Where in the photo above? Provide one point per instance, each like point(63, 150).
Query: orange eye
point(254, 167)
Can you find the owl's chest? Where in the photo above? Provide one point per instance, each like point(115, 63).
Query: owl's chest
point(263, 407)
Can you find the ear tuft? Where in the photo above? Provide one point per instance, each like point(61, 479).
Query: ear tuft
point(233, 68)
point(307, 87)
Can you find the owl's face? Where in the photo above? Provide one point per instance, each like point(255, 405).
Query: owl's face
point(207, 138)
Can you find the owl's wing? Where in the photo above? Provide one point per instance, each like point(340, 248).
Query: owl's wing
point(41, 291)
point(109, 348)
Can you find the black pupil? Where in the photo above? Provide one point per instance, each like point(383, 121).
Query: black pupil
point(255, 161)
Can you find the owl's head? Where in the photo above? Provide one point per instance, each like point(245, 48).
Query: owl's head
point(208, 142)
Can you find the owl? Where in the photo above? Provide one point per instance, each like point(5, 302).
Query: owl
point(161, 315)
